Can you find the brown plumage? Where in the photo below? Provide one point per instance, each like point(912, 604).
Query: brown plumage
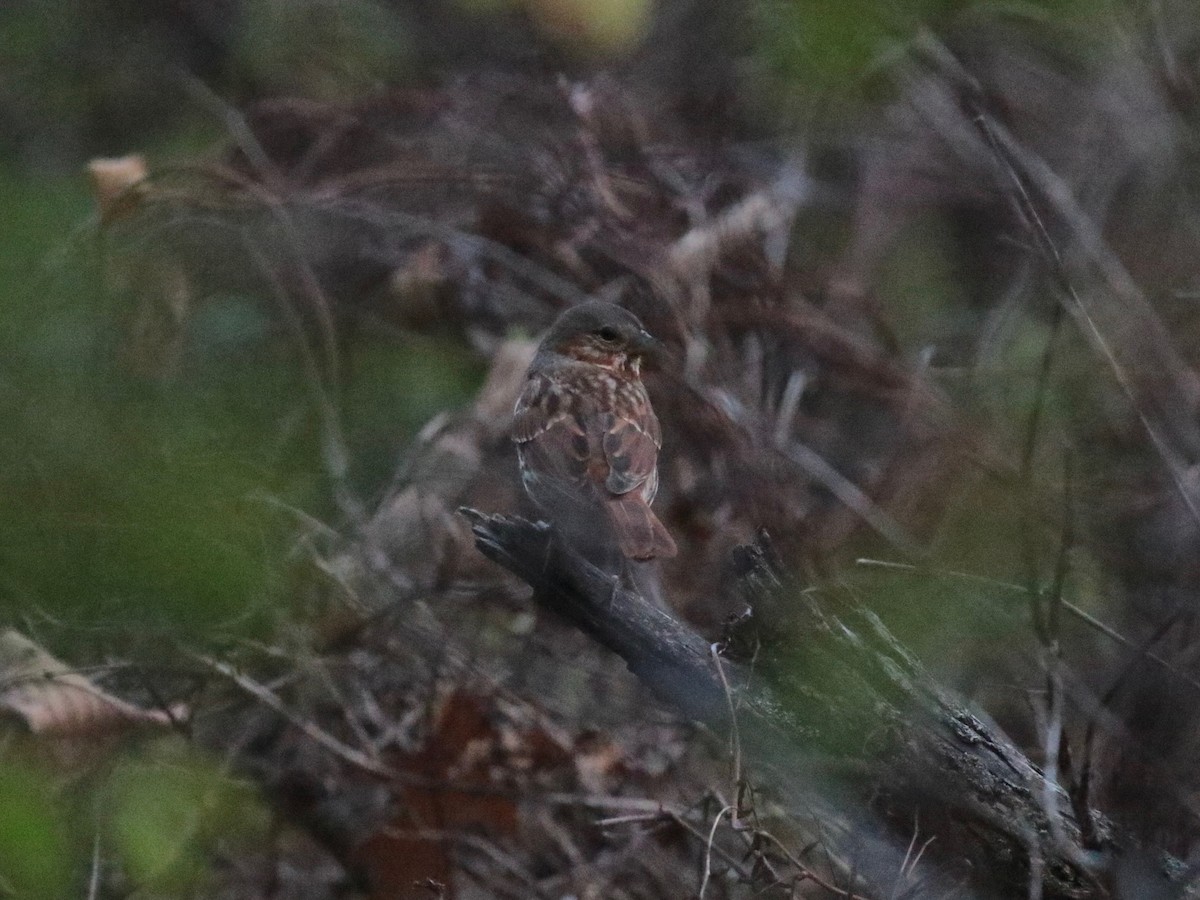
point(587, 438)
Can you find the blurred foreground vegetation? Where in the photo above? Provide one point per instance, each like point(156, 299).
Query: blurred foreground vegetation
point(142, 518)
point(146, 521)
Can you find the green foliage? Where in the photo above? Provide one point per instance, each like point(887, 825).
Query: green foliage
point(163, 512)
point(822, 49)
point(395, 389)
point(33, 840)
point(162, 505)
point(121, 508)
point(822, 56)
point(168, 812)
point(924, 298)
point(320, 49)
point(79, 77)
point(592, 26)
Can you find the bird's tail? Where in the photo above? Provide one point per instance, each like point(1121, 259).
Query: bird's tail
point(639, 533)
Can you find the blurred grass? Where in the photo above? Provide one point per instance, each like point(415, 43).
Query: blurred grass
point(821, 59)
point(168, 808)
point(122, 510)
point(140, 504)
point(33, 840)
point(320, 49)
point(137, 515)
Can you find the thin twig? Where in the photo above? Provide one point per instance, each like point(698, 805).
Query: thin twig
point(804, 870)
point(1009, 154)
point(94, 878)
point(1008, 586)
point(735, 738)
point(708, 849)
point(333, 442)
point(853, 498)
point(271, 700)
point(1052, 661)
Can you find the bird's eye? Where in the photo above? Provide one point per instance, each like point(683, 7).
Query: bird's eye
point(609, 334)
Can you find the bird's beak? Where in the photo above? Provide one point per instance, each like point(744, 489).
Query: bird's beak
point(647, 344)
point(649, 350)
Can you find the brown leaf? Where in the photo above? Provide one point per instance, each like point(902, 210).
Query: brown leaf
point(117, 184)
point(52, 700)
point(454, 791)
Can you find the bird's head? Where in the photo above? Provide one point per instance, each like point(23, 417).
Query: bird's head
point(601, 333)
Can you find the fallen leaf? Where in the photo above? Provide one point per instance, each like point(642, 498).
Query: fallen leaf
point(53, 700)
point(117, 185)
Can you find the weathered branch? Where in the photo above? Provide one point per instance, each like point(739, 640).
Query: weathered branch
point(864, 734)
point(670, 658)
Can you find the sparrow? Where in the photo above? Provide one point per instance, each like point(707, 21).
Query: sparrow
point(587, 438)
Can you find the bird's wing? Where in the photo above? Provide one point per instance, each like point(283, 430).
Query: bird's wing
point(531, 416)
point(550, 436)
point(631, 450)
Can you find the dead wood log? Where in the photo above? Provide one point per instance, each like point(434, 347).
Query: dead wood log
point(851, 727)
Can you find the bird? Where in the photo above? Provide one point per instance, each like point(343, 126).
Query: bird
point(587, 437)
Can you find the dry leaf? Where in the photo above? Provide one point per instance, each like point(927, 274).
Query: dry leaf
point(117, 184)
point(52, 700)
point(453, 791)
